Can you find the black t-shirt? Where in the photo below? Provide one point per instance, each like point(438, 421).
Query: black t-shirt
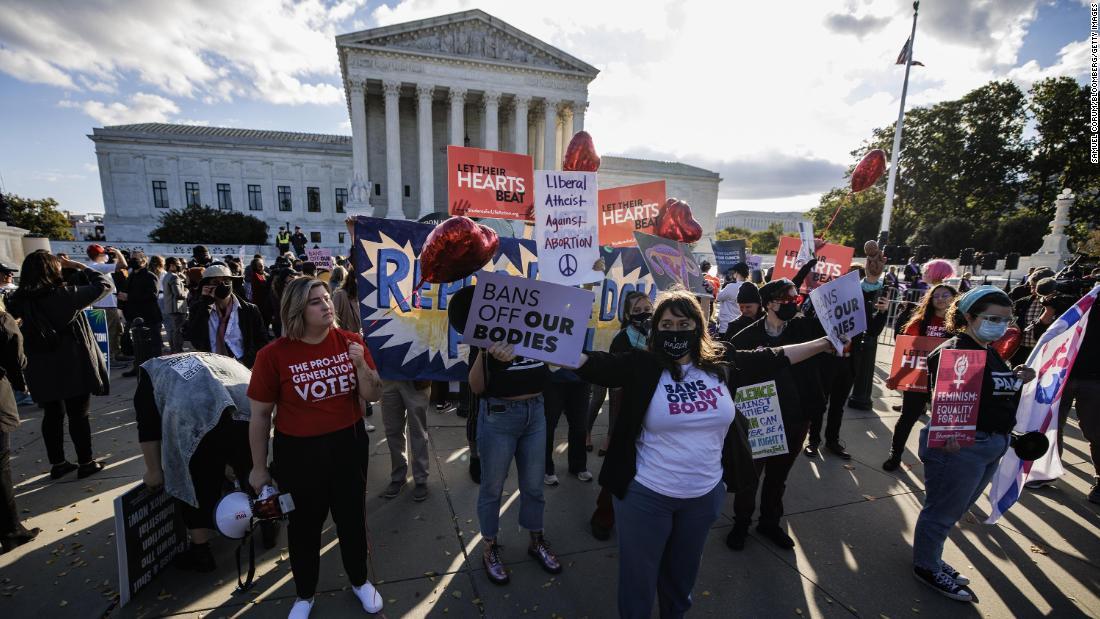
point(520, 377)
point(1000, 387)
point(1087, 364)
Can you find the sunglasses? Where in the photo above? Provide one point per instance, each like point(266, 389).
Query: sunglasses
point(995, 320)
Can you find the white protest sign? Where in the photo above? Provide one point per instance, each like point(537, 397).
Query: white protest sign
point(806, 250)
point(320, 257)
point(839, 307)
point(759, 404)
point(566, 227)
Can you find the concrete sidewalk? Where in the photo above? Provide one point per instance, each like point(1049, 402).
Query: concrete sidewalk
point(852, 522)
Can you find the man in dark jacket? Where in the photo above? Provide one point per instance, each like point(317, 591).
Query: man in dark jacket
point(223, 323)
point(12, 362)
point(143, 287)
point(299, 241)
point(1027, 310)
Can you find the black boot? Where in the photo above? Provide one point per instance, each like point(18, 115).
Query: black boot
point(893, 462)
point(736, 539)
point(776, 534)
point(15, 540)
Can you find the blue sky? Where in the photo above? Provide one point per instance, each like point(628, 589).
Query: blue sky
point(771, 96)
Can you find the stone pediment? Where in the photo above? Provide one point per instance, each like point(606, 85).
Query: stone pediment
point(473, 35)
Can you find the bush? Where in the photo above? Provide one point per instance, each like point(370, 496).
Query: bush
point(202, 224)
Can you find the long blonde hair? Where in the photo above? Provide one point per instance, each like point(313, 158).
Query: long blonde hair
point(292, 307)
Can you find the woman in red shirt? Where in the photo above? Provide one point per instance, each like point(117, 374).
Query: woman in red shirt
point(318, 375)
point(927, 320)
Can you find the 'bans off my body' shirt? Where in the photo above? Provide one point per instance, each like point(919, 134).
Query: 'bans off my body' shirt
point(312, 385)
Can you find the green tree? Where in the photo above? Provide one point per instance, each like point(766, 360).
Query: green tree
point(733, 233)
point(202, 224)
point(766, 241)
point(1060, 108)
point(1021, 232)
point(40, 217)
point(857, 220)
point(995, 156)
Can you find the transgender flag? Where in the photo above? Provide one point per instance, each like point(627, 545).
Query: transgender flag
point(1052, 360)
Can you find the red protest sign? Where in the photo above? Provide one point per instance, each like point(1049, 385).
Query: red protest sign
point(489, 183)
point(626, 210)
point(832, 261)
point(909, 372)
point(955, 397)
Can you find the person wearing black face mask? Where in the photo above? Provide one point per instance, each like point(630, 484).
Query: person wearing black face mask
point(799, 389)
point(676, 448)
point(223, 323)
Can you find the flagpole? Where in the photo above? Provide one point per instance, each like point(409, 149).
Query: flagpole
point(888, 207)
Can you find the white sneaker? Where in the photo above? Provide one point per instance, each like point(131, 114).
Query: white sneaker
point(584, 476)
point(369, 426)
point(550, 480)
point(369, 596)
point(301, 609)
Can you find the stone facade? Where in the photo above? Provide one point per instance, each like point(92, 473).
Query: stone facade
point(758, 221)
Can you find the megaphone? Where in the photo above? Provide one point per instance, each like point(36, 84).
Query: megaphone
point(1029, 445)
point(235, 511)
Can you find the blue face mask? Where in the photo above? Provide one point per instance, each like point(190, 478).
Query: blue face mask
point(990, 332)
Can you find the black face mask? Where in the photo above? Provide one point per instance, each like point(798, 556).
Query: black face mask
point(641, 320)
point(222, 291)
point(675, 344)
point(786, 311)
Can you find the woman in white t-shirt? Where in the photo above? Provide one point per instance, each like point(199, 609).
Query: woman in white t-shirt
point(675, 449)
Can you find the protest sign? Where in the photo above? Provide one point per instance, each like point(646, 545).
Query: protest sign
point(566, 234)
point(909, 371)
point(759, 404)
point(541, 320)
point(408, 334)
point(839, 307)
point(321, 257)
point(670, 262)
point(97, 320)
point(629, 209)
point(489, 183)
point(149, 531)
point(755, 263)
point(728, 253)
point(955, 397)
point(832, 262)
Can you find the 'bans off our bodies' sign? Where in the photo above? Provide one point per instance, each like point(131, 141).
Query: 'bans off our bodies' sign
point(489, 183)
point(956, 396)
point(759, 404)
point(541, 320)
point(566, 232)
point(839, 307)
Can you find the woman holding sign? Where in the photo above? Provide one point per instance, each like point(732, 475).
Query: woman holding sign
point(675, 450)
point(955, 475)
point(928, 321)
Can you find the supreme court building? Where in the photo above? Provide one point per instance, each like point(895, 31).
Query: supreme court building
point(412, 89)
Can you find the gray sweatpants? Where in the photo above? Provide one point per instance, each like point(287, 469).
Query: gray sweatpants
point(405, 406)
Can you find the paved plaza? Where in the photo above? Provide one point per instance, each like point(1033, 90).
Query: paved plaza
point(852, 522)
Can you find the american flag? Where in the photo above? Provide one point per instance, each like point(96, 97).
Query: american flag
point(1052, 361)
point(905, 53)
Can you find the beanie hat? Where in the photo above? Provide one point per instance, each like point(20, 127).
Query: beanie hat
point(774, 289)
point(748, 293)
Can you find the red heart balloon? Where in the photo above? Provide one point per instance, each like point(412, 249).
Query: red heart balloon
point(1009, 343)
point(868, 170)
point(675, 222)
point(456, 248)
point(581, 155)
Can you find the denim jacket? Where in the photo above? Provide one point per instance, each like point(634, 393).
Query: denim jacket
point(192, 390)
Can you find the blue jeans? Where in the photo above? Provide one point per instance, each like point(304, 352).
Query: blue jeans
point(952, 483)
point(661, 543)
point(507, 429)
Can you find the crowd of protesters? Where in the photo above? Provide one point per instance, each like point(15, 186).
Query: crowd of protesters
point(664, 477)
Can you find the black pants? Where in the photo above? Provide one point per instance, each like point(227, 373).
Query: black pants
point(80, 429)
point(863, 364)
point(570, 398)
point(838, 384)
point(322, 473)
point(771, 473)
point(225, 443)
point(913, 405)
point(9, 515)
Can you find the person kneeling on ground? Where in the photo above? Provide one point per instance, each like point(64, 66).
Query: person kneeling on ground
point(192, 417)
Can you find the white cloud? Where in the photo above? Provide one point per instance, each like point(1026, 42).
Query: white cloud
point(1073, 60)
point(277, 52)
point(143, 107)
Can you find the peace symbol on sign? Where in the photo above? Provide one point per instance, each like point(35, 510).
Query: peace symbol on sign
point(567, 264)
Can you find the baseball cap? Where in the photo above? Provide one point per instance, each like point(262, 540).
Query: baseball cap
point(95, 250)
point(7, 269)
